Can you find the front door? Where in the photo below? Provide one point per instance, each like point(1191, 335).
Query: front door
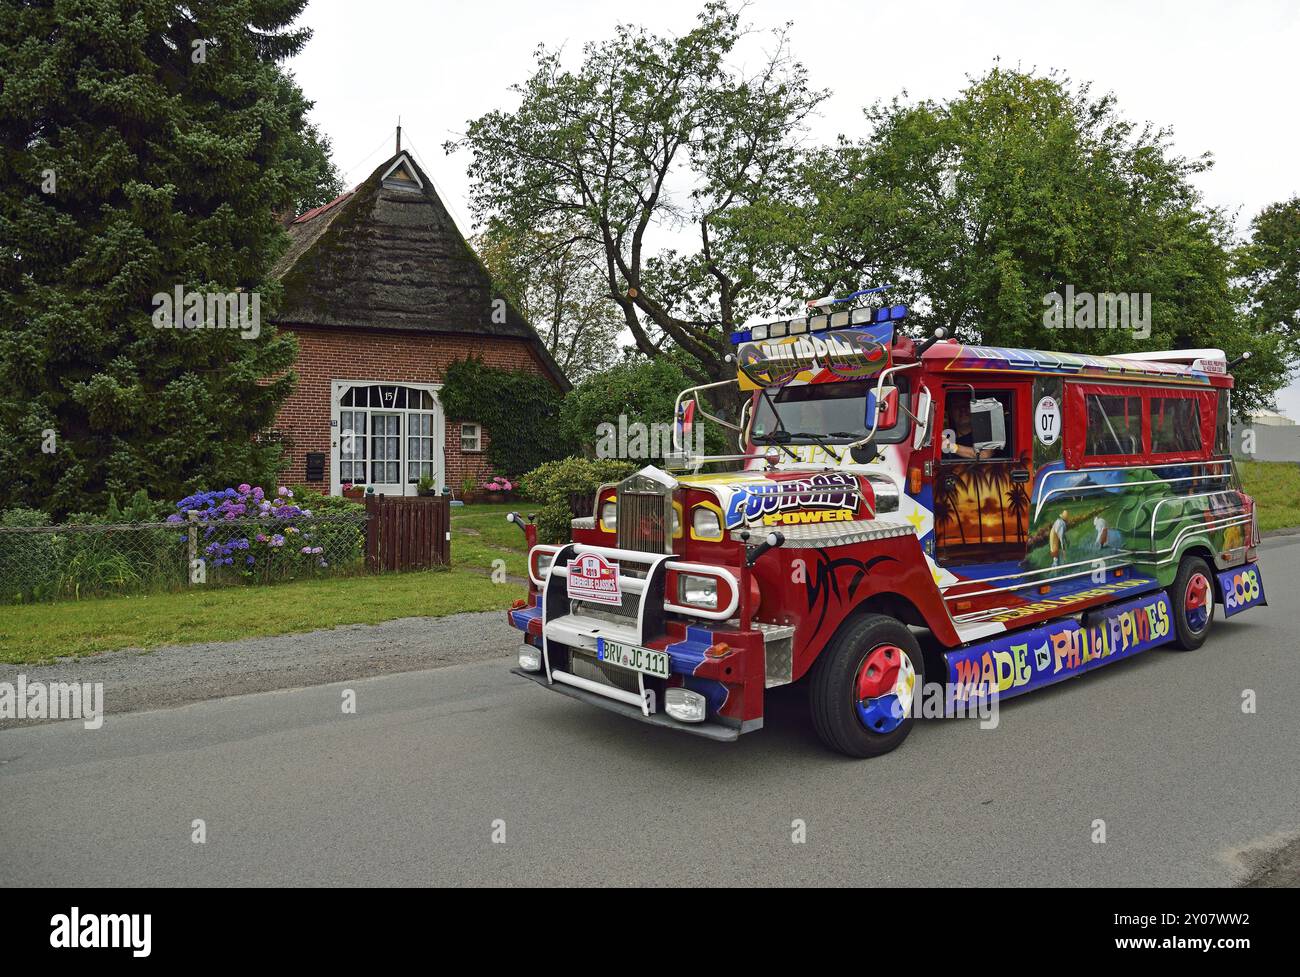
point(387, 437)
point(386, 453)
point(982, 490)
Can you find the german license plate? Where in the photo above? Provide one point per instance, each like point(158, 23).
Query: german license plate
point(629, 656)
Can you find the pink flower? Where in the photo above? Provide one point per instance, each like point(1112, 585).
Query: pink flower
point(245, 488)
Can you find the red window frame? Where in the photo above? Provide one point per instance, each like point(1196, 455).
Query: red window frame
point(1208, 406)
point(1076, 423)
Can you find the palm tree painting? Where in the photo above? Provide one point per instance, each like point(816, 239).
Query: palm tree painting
point(1018, 506)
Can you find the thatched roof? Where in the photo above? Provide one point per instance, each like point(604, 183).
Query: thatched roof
point(388, 256)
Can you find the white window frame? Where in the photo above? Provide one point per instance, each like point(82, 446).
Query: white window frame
point(339, 387)
point(478, 438)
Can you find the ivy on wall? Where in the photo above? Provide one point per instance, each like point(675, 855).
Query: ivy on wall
point(520, 410)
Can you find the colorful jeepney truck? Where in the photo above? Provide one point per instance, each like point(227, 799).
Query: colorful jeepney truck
point(1038, 514)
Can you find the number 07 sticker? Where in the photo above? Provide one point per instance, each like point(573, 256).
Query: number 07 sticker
point(1047, 421)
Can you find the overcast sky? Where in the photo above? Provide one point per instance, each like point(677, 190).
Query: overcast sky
point(1222, 75)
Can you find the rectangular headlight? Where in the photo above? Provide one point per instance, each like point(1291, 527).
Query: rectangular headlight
point(609, 516)
point(696, 591)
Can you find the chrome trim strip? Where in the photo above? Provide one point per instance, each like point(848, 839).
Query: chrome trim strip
point(1029, 573)
point(1044, 493)
point(1034, 583)
point(608, 691)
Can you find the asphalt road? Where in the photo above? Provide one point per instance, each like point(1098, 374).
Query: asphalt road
point(412, 787)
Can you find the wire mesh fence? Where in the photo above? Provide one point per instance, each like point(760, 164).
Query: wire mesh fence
point(62, 561)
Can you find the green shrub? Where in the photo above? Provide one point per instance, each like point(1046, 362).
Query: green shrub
point(555, 483)
point(29, 562)
point(346, 543)
point(519, 409)
point(139, 508)
point(325, 505)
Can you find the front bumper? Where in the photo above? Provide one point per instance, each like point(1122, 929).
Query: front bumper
point(708, 729)
point(707, 653)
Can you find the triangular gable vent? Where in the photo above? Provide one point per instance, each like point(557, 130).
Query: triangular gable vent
point(402, 176)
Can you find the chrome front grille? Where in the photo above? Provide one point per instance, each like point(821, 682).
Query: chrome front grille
point(623, 613)
point(645, 521)
point(588, 666)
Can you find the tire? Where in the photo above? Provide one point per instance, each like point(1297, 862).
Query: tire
point(875, 656)
point(1192, 597)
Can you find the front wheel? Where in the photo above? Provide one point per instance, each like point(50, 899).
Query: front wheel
point(863, 684)
point(1192, 596)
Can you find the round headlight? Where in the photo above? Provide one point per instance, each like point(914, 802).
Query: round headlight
point(609, 516)
point(705, 523)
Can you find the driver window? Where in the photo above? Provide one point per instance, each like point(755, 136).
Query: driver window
point(977, 423)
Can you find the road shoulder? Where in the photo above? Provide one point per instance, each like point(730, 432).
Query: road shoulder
point(175, 675)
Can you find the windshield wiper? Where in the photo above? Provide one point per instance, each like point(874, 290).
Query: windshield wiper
point(779, 438)
point(780, 430)
point(821, 440)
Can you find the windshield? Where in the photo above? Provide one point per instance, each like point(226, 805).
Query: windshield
point(835, 412)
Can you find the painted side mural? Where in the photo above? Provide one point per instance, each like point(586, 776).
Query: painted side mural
point(981, 504)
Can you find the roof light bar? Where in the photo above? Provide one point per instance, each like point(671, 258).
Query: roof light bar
point(842, 319)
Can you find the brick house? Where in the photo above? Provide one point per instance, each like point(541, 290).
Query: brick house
point(383, 294)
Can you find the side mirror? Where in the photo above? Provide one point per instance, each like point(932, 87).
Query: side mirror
point(684, 426)
point(886, 407)
point(988, 423)
point(924, 415)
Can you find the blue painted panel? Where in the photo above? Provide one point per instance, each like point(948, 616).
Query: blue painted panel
point(1242, 588)
point(1014, 663)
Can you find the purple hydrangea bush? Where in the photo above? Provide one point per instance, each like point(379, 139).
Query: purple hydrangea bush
point(283, 540)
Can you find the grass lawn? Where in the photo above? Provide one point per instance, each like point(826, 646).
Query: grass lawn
point(480, 535)
point(1275, 487)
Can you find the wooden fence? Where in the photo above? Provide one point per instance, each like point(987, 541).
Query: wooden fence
point(407, 533)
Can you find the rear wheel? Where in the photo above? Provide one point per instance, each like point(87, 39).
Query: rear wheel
point(862, 686)
point(1192, 596)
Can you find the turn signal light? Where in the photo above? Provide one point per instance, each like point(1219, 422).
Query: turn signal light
point(914, 480)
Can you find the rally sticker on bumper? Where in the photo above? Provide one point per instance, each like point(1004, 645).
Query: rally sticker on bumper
point(594, 578)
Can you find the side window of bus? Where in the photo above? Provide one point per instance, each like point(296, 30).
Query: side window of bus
point(1175, 425)
point(1221, 446)
point(1114, 425)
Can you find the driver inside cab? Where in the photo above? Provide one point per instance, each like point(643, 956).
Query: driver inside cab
point(959, 435)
